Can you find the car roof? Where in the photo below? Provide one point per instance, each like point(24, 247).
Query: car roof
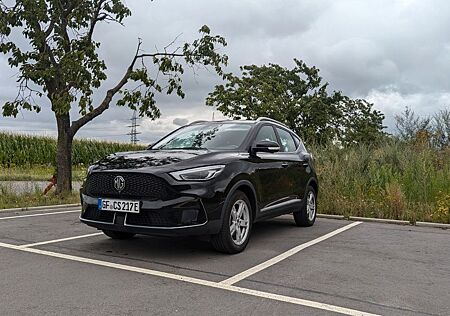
point(258, 120)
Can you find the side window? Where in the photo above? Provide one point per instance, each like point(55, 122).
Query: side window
point(266, 133)
point(287, 142)
point(299, 143)
point(302, 147)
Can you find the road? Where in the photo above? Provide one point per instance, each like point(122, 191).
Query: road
point(52, 264)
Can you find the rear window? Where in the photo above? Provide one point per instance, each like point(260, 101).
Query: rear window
point(287, 141)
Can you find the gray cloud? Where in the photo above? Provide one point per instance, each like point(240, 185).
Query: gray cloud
point(394, 53)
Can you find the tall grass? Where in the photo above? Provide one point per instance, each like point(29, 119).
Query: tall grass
point(25, 150)
point(11, 199)
point(398, 180)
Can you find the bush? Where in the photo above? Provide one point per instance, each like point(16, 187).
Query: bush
point(394, 179)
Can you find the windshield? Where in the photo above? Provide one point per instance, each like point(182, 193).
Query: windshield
point(206, 136)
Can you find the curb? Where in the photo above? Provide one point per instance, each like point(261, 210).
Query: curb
point(379, 220)
point(40, 208)
point(330, 216)
point(437, 225)
point(385, 221)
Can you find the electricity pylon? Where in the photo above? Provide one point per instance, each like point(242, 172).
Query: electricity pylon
point(133, 133)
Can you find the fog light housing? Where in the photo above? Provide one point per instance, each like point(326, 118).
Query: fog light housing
point(189, 217)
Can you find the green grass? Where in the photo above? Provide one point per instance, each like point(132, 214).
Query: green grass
point(36, 173)
point(394, 180)
point(9, 199)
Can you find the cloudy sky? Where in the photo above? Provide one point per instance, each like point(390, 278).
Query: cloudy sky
point(392, 53)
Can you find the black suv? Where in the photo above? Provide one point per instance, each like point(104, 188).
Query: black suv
point(206, 178)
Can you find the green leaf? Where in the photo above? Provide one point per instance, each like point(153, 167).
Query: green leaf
point(298, 98)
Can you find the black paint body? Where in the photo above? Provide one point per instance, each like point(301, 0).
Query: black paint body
point(274, 182)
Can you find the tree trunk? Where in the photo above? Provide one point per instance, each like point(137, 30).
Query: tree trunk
point(64, 155)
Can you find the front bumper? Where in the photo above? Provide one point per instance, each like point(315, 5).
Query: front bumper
point(185, 215)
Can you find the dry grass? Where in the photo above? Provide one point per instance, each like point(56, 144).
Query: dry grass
point(9, 199)
point(393, 180)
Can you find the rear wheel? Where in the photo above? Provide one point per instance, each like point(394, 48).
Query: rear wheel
point(118, 235)
point(237, 224)
point(306, 216)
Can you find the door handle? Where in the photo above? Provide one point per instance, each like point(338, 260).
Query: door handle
point(284, 164)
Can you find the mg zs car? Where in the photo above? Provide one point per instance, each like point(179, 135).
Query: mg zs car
point(206, 178)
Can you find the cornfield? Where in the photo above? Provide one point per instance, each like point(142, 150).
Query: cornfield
point(26, 150)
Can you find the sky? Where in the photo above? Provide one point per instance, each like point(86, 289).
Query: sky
point(392, 53)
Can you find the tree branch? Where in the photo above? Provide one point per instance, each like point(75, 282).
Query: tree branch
point(76, 125)
point(96, 18)
point(104, 105)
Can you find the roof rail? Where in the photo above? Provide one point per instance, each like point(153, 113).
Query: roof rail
point(263, 118)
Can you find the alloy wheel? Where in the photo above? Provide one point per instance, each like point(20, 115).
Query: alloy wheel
point(239, 222)
point(311, 205)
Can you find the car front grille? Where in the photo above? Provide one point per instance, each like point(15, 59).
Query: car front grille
point(154, 218)
point(137, 185)
point(148, 218)
point(165, 218)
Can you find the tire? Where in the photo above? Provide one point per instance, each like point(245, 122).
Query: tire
point(118, 235)
point(230, 242)
point(306, 216)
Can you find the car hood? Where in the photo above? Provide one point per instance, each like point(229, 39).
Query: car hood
point(147, 159)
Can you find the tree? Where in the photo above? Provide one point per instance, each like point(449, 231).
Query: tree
point(361, 124)
point(432, 130)
point(298, 98)
point(60, 62)
point(408, 124)
point(442, 128)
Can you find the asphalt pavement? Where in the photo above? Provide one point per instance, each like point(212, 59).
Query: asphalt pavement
point(52, 264)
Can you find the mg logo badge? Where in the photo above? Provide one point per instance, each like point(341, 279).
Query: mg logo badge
point(119, 183)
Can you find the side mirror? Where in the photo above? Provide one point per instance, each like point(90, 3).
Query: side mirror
point(266, 146)
point(306, 157)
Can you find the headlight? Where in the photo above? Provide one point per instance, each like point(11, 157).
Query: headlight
point(89, 170)
point(198, 174)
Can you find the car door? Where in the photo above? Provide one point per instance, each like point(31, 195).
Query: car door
point(270, 171)
point(294, 163)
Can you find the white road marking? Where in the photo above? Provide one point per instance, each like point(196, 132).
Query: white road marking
point(40, 214)
point(58, 240)
point(264, 265)
point(231, 288)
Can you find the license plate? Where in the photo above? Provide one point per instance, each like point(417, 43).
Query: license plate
point(118, 205)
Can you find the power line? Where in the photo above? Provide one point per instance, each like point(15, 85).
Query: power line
point(133, 133)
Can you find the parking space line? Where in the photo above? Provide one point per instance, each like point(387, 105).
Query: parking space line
point(264, 265)
point(40, 214)
point(58, 240)
point(231, 288)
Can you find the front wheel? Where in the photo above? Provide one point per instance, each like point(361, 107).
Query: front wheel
point(237, 224)
point(118, 235)
point(306, 216)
